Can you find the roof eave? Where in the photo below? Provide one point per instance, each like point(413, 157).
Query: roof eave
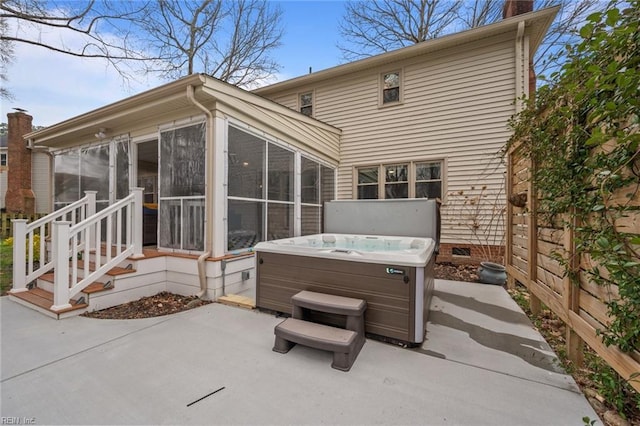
point(94, 117)
point(540, 21)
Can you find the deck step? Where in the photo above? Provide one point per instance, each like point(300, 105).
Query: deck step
point(316, 335)
point(236, 300)
point(43, 300)
point(94, 287)
point(116, 270)
point(329, 303)
point(344, 343)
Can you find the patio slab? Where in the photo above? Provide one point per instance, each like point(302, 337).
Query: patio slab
point(214, 365)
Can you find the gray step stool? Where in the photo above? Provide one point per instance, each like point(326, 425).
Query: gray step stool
point(344, 343)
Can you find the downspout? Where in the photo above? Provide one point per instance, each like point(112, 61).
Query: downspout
point(202, 273)
point(520, 77)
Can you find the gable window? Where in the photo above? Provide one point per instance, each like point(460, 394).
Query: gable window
point(3, 159)
point(306, 104)
point(391, 88)
point(405, 180)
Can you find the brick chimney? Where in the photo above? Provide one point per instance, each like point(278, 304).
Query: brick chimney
point(19, 197)
point(518, 7)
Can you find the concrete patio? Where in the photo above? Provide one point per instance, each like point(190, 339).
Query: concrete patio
point(482, 363)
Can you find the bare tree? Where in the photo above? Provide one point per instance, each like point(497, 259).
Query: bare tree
point(480, 12)
point(95, 29)
point(96, 24)
point(6, 58)
point(377, 26)
point(563, 31)
point(229, 40)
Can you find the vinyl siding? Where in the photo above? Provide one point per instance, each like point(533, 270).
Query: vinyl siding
point(456, 106)
point(41, 182)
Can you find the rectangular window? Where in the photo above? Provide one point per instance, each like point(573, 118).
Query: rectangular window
point(318, 186)
point(261, 191)
point(429, 180)
point(407, 180)
point(306, 104)
point(368, 183)
point(182, 183)
point(396, 181)
point(3, 159)
point(391, 87)
point(260, 186)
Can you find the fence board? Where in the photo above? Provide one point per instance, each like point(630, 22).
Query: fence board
point(583, 308)
point(6, 228)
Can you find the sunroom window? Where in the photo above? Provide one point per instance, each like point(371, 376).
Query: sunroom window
point(318, 183)
point(261, 195)
point(181, 188)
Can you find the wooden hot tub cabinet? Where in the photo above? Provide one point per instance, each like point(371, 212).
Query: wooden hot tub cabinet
point(398, 297)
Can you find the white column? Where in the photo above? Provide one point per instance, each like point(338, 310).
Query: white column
point(90, 211)
point(60, 237)
point(137, 222)
point(19, 255)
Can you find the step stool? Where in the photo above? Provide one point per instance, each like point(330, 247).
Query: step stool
point(344, 343)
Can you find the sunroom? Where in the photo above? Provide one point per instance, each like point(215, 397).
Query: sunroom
point(219, 168)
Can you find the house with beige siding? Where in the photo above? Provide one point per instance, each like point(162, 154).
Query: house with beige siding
point(172, 188)
point(429, 120)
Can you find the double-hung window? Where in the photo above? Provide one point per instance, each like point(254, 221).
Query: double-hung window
point(391, 84)
point(306, 103)
point(416, 179)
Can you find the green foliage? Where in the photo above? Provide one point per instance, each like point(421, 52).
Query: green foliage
point(582, 132)
point(613, 388)
point(6, 264)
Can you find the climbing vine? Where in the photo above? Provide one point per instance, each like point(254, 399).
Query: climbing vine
point(582, 132)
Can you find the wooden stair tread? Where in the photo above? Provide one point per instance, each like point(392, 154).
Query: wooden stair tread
point(116, 270)
point(96, 287)
point(44, 299)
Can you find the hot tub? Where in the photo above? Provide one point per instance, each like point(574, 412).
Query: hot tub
point(393, 274)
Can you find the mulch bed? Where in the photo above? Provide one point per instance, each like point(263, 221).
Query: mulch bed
point(163, 303)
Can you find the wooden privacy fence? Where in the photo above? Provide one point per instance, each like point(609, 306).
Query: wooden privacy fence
point(532, 250)
point(6, 228)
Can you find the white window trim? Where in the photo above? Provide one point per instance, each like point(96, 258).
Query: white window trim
point(313, 101)
point(412, 176)
point(400, 100)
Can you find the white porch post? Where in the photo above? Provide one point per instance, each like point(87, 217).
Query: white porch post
point(137, 222)
point(91, 210)
point(61, 261)
point(19, 255)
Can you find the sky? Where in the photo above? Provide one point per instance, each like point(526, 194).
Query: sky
point(53, 87)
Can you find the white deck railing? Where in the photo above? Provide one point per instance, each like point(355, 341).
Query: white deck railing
point(31, 259)
point(72, 240)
